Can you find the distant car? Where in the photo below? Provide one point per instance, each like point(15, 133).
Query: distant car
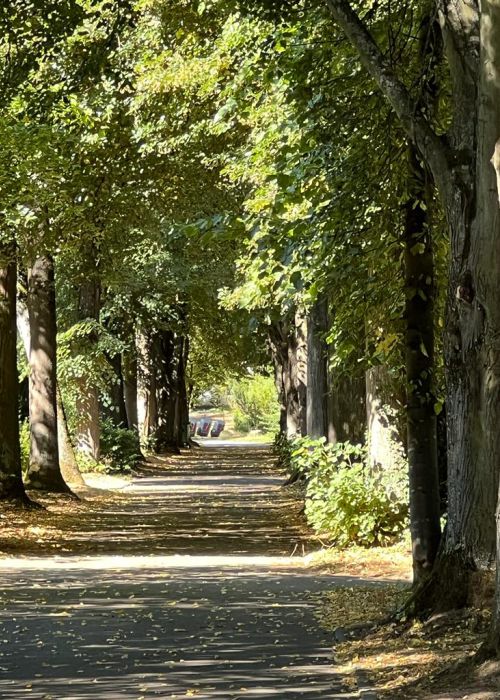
point(217, 428)
point(193, 424)
point(203, 427)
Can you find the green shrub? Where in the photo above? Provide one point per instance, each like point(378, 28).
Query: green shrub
point(345, 501)
point(256, 404)
point(119, 447)
point(148, 443)
point(24, 439)
point(87, 464)
point(242, 422)
point(120, 451)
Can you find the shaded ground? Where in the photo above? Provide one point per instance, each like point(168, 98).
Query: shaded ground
point(189, 581)
point(217, 499)
point(181, 585)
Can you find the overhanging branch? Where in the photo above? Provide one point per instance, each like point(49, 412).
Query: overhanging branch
point(417, 127)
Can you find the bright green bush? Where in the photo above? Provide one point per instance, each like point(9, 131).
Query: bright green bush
point(119, 447)
point(242, 422)
point(120, 451)
point(256, 404)
point(24, 439)
point(345, 502)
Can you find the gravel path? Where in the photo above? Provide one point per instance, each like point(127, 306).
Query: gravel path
point(185, 587)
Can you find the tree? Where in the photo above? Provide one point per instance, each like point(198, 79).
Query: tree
point(44, 469)
point(419, 359)
point(11, 483)
point(461, 165)
point(317, 370)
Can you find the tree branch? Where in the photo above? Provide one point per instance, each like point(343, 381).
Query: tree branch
point(418, 129)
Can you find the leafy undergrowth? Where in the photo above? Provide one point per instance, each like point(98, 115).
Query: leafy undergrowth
point(400, 660)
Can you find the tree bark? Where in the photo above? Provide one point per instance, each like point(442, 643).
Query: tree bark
point(118, 410)
point(171, 391)
point(69, 466)
point(487, 252)
point(44, 470)
point(278, 342)
point(88, 430)
point(182, 393)
point(385, 446)
point(11, 482)
point(67, 460)
point(419, 345)
point(147, 407)
point(288, 341)
point(300, 368)
point(317, 370)
point(129, 364)
point(347, 408)
point(466, 179)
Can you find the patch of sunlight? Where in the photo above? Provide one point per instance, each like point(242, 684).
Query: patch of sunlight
point(175, 561)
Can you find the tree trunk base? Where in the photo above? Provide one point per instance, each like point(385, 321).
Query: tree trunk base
point(168, 449)
point(455, 583)
point(52, 486)
point(23, 502)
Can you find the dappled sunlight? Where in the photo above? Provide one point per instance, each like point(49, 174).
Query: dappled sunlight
point(132, 632)
point(220, 500)
point(192, 581)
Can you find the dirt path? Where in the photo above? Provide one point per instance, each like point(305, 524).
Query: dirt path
point(183, 585)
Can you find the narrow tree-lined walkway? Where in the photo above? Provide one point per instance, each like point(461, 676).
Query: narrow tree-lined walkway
point(183, 586)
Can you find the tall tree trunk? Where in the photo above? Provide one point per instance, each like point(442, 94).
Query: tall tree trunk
point(129, 364)
point(385, 431)
point(290, 377)
point(472, 347)
point(419, 344)
point(288, 342)
point(167, 391)
point(301, 368)
point(117, 412)
point(463, 171)
point(182, 394)
point(488, 252)
point(69, 466)
point(11, 483)
point(317, 370)
point(147, 407)
point(347, 407)
point(44, 470)
point(278, 342)
point(67, 460)
point(88, 430)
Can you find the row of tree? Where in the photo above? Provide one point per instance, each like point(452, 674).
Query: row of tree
point(110, 299)
point(202, 175)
